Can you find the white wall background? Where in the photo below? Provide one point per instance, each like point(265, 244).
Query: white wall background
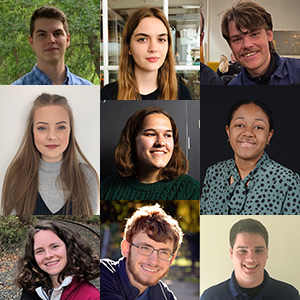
point(284, 242)
point(15, 104)
point(285, 15)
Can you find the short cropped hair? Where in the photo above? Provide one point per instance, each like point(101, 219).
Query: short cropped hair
point(49, 12)
point(154, 221)
point(249, 226)
point(125, 152)
point(247, 14)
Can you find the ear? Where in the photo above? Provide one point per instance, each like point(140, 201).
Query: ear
point(201, 38)
point(129, 52)
point(231, 252)
point(227, 131)
point(270, 35)
point(125, 246)
point(270, 135)
point(174, 256)
point(31, 42)
point(68, 39)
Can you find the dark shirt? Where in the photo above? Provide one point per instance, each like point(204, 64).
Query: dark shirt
point(272, 290)
point(208, 76)
point(110, 92)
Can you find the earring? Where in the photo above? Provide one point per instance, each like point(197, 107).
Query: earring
point(228, 141)
point(268, 144)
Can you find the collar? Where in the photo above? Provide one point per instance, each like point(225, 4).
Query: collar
point(267, 291)
point(45, 80)
point(55, 294)
point(145, 187)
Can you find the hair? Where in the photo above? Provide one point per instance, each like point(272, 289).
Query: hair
point(249, 226)
point(50, 13)
point(80, 259)
point(224, 64)
point(154, 221)
point(262, 105)
point(20, 186)
point(166, 79)
point(202, 21)
point(126, 155)
point(247, 14)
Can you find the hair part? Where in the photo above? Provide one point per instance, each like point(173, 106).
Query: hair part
point(262, 105)
point(126, 154)
point(20, 186)
point(81, 262)
point(158, 225)
point(248, 226)
point(48, 12)
point(166, 79)
point(247, 14)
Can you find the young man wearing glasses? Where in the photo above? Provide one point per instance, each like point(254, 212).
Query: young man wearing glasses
point(151, 241)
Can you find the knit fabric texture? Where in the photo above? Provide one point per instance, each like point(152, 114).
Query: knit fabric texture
point(116, 187)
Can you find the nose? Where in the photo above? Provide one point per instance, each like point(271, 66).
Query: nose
point(51, 135)
point(152, 46)
point(248, 131)
point(153, 258)
point(51, 38)
point(48, 253)
point(160, 141)
point(247, 42)
point(251, 256)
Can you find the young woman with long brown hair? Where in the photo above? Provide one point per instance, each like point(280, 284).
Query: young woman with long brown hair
point(50, 174)
point(147, 65)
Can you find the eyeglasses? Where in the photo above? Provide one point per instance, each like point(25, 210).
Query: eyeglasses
point(148, 250)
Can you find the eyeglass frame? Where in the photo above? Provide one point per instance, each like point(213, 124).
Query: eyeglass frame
point(138, 247)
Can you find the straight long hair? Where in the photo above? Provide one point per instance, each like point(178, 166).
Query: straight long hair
point(20, 186)
point(166, 79)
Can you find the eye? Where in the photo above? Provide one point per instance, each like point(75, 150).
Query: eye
point(41, 128)
point(41, 34)
point(236, 40)
point(58, 33)
point(239, 125)
point(62, 127)
point(162, 40)
point(144, 248)
point(142, 39)
point(150, 134)
point(258, 127)
point(54, 246)
point(38, 251)
point(168, 135)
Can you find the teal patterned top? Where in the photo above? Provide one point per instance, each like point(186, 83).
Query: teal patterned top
point(272, 190)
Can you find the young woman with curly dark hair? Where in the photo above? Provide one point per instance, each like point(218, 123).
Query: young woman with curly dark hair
point(57, 264)
point(150, 161)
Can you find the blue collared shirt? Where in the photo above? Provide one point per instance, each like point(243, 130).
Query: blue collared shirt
point(230, 290)
point(37, 77)
point(287, 73)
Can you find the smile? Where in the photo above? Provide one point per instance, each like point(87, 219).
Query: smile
point(250, 267)
point(250, 54)
point(152, 59)
point(52, 263)
point(246, 143)
point(149, 270)
point(51, 146)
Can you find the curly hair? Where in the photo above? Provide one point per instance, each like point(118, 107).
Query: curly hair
point(80, 259)
point(125, 152)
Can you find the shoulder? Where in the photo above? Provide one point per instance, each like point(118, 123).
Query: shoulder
point(109, 91)
point(220, 166)
point(183, 91)
point(217, 292)
point(113, 179)
point(209, 76)
point(188, 181)
point(283, 290)
point(25, 80)
point(88, 292)
point(87, 170)
point(279, 170)
point(29, 296)
point(236, 80)
point(77, 80)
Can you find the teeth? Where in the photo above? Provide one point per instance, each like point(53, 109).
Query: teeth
point(158, 152)
point(149, 269)
point(50, 264)
point(250, 267)
point(250, 54)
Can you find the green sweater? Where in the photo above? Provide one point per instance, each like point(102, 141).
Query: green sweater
point(116, 187)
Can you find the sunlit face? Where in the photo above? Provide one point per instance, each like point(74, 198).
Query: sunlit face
point(51, 130)
point(144, 271)
point(50, 253)
point(154, 143)
point(49, 41)
point(249, 132)
point(249, 256)
point(149, 45)
point(251, 49)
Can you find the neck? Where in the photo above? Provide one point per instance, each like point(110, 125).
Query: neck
point(249, 285)
point(151, 176)
point(55, 283)
point(56, 71)
point(244, 166)
point(146, 81)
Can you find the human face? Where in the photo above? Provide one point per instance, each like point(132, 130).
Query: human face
point(249, 256)
point(251, 48)
point(154, 144)
point(49, 41)
point(249, 133)
point(50, 253)
point(51, 130)
point(149, 45)
point(144, 271)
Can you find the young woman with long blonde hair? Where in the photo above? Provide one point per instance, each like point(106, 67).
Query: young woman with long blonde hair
point(46, 175)
point(147, 64)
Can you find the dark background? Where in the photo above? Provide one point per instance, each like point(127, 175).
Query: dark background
point(283, 101)
point(114, 115)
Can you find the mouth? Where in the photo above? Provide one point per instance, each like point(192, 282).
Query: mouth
point(244, 143)
point(51, 49)
point(250, 54)
point(53, 263)
point(51, 146)
point(250, 267)
point(150, 270)
point(152, 59)
point(158, 152)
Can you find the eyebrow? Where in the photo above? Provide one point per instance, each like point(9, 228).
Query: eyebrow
point(244, 247)
point(147, 35)
point(152, 129)
point(56, 243)
point(43, 31)
point(45, 123)
point(242, 118)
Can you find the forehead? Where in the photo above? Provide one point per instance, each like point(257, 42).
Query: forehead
point(47, 24)
point(44, 238)
point(150, 26)
point(51, 112)
point(250, 110)
point(143, 238)
point(157, 121)
point(249, 240)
